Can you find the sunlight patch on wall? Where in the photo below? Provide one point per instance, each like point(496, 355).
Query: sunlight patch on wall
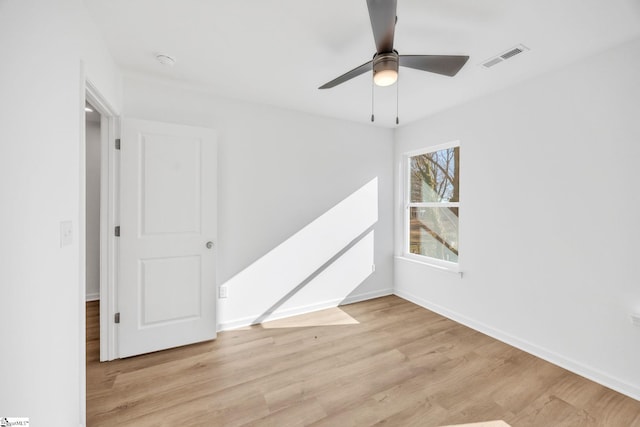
point(322, 263)
point(336, 281)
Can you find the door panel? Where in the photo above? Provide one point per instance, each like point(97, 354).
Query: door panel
point(158, 278)
point(166, 292)
point(170, 177)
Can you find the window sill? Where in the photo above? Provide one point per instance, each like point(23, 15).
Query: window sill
point(454, 270)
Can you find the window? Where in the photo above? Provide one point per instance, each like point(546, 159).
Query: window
point(433, 204)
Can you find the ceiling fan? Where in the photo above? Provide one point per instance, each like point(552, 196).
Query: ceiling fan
point(386, 60)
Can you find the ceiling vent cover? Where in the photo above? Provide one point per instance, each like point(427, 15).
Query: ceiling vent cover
point(504, 56)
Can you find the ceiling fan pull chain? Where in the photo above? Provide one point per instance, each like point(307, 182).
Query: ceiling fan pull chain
point(372, 91)
point(397, 99)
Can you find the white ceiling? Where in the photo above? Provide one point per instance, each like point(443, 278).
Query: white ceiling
point(278, 52)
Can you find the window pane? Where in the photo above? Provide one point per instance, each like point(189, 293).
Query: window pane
point(435, 176)
point(433, 232)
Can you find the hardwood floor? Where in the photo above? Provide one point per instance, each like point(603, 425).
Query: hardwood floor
point(380, 362)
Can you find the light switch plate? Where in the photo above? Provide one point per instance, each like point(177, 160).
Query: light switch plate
point(66, 233)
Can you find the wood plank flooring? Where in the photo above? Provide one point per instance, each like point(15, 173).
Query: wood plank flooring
point(380, 362)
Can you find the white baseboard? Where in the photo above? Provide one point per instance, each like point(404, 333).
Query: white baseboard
point(550, 356)
point(294, 311)
point(93, 296)
point(367, 296)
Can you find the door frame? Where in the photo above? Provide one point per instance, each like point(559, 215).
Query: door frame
point(109, 212)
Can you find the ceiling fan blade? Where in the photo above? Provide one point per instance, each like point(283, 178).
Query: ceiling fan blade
point(447, 65)
point(348, 75)
point(383, 23)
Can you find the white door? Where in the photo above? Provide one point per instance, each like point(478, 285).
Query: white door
point(166, 291)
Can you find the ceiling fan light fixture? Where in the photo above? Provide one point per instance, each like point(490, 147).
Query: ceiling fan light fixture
point(385, 69)
point(385, 77)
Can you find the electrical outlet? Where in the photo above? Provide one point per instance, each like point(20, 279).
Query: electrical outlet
point(373, 268)
point(66, 233)
point(223, 291)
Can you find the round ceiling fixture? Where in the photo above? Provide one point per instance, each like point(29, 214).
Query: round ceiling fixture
point(165, 59)
point(385, 68)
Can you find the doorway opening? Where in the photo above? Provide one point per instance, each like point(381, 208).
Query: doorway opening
point(92, 138)
point(92, 202)
point(100, 215)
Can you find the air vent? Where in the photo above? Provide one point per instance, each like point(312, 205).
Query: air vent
point(492, 62)
point(512, 52)
point(504, 56)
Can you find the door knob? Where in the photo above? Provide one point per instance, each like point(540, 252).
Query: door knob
point(209, 245)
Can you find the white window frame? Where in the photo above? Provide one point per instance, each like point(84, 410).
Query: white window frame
point(434, 262)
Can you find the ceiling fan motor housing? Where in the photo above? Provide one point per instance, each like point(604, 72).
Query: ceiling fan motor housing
point(385, 68)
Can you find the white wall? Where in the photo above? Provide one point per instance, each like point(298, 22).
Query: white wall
point(92, 191)
point(548, 246)
point(279, 172)
point(41, 285)
point(549, 217)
